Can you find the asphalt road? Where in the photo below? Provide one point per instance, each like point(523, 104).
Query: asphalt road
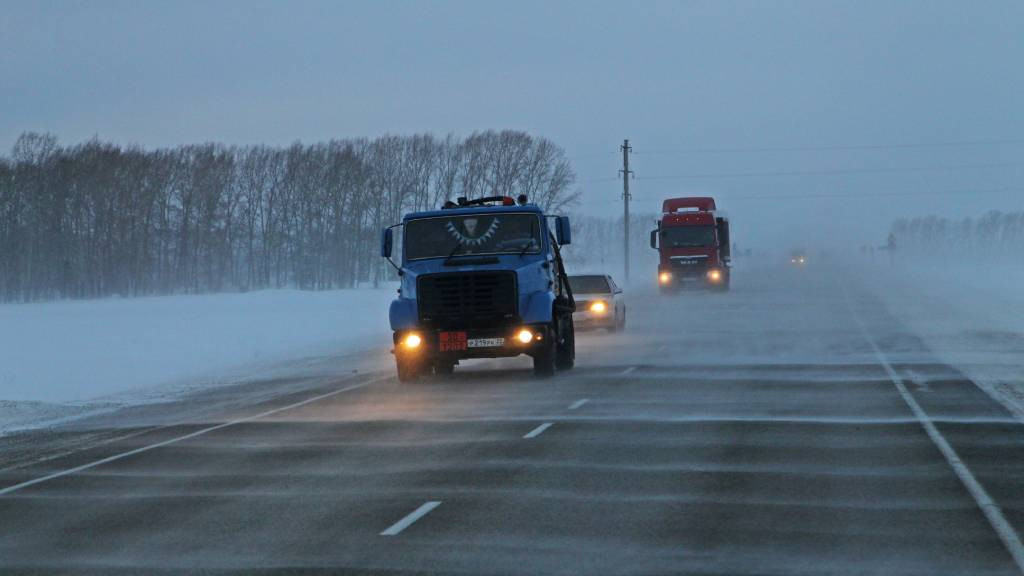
point(792, 426)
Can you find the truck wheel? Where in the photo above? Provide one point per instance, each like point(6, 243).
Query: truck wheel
point(544, 358)
point(408, 369)
point(565, 354)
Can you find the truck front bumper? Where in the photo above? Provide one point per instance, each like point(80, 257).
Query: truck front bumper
point(456, 344)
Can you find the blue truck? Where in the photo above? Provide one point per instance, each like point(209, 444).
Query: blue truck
point(481, 278)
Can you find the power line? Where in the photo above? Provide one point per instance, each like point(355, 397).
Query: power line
point(964, 191)
point(830, 172)
point(949, 144)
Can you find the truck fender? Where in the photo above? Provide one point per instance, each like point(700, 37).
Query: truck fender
point(402, 314)
point(538, 308)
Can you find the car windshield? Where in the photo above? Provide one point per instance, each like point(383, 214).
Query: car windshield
point(589, 284)
point(501, 233)
point(684, 236)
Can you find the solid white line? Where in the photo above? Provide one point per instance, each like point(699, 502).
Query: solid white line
point(404, 523)
point(988, 506)
point(627, 370)
point(578, 403)
point(538, 430)
point(122, 455)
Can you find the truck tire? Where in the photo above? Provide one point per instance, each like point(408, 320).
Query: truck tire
point(565, 352)
point(409, 369)
point(544, 358)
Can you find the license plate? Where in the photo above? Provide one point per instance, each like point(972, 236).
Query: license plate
point(451, 341)
point(485, 342)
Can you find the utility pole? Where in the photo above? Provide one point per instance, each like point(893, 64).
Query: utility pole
point(626, 173)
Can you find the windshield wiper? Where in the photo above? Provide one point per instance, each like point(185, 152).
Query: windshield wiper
point(529, 243)
point(458, 245)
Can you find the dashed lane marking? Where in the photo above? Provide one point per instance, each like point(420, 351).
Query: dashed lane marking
point(123, 455)
point(396, 528)
point(627, 371)
point(538, 430)
point(578, 403)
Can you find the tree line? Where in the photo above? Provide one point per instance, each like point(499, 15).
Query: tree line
point(994, 236)
point(97, 219)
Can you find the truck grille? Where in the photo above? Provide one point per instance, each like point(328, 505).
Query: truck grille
point(467, 299)
point(689, 265)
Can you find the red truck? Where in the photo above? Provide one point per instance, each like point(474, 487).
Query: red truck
point(693, 243)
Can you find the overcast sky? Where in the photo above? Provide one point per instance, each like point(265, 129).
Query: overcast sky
point(673, 77)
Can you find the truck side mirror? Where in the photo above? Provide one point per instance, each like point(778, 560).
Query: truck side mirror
point(387, 240)
point(654, 239)
point(563, 233)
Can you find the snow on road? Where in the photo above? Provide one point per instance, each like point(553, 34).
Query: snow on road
point(64, 359)
point(970, 316)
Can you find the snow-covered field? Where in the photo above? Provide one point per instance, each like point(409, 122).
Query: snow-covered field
point(63, 359)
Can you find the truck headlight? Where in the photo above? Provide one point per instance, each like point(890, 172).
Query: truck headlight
point(664, 278)
point(524, 336)
point(598, 307)
point(715, 275)
point(412, 341)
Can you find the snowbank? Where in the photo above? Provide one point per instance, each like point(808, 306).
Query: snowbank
point(58, 358)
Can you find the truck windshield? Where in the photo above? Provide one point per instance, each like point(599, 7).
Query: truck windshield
point(687, 236)
point(589, 284)
point(503, 233)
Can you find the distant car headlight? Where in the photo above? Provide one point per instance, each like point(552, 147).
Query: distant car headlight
point(412, 341)
point(664, 278)
point(598, 307)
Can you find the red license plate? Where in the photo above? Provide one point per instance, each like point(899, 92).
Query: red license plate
point(451, 341)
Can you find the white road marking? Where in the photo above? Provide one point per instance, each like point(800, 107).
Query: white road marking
point(122, 455)
point(538, 430)
point(988, 506)
point(578, 403)
point(396, 528)
point(627, 370)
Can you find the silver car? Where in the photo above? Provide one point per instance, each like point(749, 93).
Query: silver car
point(599, 302)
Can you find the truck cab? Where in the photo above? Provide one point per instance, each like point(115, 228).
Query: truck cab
point(692, 240)
point(481, 278)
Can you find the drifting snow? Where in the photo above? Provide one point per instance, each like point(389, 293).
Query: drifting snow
point(66, 359)
point(969, 316)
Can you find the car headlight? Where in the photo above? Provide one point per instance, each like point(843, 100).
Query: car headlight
point(524, 336)
point(715, 275)
point(598, 307)
point(664, 278)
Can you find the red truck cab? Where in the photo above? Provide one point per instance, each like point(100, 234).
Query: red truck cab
point(692, 241)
